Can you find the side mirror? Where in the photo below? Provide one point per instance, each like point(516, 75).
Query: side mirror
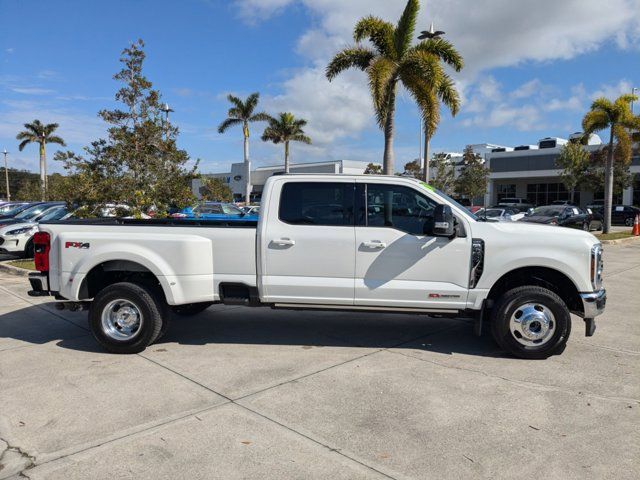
point(529, 212)
point(442, 224)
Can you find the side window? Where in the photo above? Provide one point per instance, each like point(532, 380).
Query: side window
point(317, 203)
point(399, 207)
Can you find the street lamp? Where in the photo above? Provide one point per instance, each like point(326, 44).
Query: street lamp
point(430, 34)
point(166, 109)
point(6, 174)
point(633, 92)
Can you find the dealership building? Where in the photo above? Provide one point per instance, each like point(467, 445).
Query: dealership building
point(526, 171)
point(530, 171)
point(235, 178)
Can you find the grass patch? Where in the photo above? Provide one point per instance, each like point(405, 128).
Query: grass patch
point(614, 235)
point(26, 264)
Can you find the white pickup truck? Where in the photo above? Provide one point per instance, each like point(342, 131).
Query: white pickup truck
point(374, 243)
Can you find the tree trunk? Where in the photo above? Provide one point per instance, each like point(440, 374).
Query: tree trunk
point(573, 190)
point(425, 169)
point(286, 156)
point(389, 158)
point(247, 166)
point(43, 173)
point(608, 186)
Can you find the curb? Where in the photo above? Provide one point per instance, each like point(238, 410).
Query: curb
point(21, 272)
point(619, 241)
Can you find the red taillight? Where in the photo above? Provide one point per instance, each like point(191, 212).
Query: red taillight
point(41, 247)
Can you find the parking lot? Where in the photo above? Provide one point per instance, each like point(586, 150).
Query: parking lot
point(259, 393)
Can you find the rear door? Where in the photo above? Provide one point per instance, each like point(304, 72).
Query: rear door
point(307, 245)
point(397, 265)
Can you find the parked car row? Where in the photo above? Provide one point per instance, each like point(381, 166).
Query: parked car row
point(19, 223)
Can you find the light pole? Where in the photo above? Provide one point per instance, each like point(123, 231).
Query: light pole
point(428, 35)
point(166, 109)
point(633, 92)
point(6, 174)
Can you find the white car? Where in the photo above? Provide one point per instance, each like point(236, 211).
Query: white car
point(17, 238)
point(500, 214)
point(335, 242)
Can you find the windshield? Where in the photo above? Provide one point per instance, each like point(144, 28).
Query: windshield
point(11, 209)
point(464, 210)
point(547, 211)
point(54, 214)
point(231, 209)
point(31, 212)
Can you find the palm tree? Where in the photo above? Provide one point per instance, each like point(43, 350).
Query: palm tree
point(617, 117)
point(37, 132)
point(284, 129)
point(391, 60)
point(242, 113)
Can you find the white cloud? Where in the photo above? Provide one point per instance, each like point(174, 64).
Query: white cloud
point(32, 90)
point(488, 33)
point(334, 109)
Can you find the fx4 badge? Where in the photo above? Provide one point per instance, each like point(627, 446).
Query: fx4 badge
point(442, 295)
point(76, 245)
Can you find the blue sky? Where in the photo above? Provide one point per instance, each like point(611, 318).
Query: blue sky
point(532, 68)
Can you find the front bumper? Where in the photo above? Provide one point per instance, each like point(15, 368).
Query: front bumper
point(593, 303)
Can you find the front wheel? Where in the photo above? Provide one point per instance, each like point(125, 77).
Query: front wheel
point(126, 317)
point(531, 322)
point(628, 222)
point(585, 227)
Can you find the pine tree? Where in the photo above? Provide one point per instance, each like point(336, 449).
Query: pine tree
point(139, 162)
point(472, 182)
point(444, 177)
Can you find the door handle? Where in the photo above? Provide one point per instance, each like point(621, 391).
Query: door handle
point(284, 241)
point(374, 244)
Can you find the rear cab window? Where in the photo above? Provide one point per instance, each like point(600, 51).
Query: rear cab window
point(317, 203)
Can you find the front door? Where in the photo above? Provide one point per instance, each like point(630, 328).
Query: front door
point(308, 250)
point(397, 265)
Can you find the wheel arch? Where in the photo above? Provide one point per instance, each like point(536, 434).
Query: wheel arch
point(545, 277)
point(109, 272)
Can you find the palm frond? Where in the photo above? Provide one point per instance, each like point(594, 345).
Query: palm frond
point(379, 32)
point(594, 121)
point(425, 97)
point(300, 138)
point(423, 65)
point(55, 139)
point(251, 102)
point(50, 128)
point(382, 74)
point(603, 104)
point(260, 117)
point(358, 57)
point(406, 26)
point(229, 122)
point(449, 95)
point(442, 49)
point(239, 104)
point(26, 135)
point(24, 143)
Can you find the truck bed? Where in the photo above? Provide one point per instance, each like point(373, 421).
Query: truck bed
point(190, 258)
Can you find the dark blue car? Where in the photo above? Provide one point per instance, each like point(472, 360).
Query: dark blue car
point(214, 211)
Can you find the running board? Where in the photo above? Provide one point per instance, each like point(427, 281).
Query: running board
point(303, 306)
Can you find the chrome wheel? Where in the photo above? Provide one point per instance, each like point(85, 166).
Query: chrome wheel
point(121, 320)
point(532, 324)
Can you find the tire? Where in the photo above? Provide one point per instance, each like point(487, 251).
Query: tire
point(628, 222)
point(126, 317)
point(28, 249)
point(585, 227)
point(189, 309)
point(517, 312)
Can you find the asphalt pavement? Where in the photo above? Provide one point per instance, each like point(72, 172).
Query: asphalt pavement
point(239, 393)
